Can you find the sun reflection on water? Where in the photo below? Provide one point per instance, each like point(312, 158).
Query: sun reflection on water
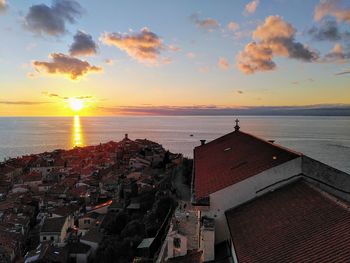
point(77, 133)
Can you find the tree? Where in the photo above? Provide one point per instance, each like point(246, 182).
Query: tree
point(187, 166)
point(116, 223)
point(163, 206)
point(132, 229)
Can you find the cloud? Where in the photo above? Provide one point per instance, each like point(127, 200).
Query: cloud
point(239, 92)
point(328, 31)
point(51, 20)
point(19, 102)
point(66, 65)
point(232, 26)
point(250, 8)
point(203, 69)
point(332, 8)
point(223, 63)
point(144, 46)
point(83, 45)
point(109, 61)
point(173, 48)
point(208, 24)
point(343, 72)
point(191, 55)
point(55, 95)
point(307, 110)
point(3, 6)
point(274, 37)
point(337, 55)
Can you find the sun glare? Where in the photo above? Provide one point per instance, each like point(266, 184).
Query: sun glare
point(76, 104)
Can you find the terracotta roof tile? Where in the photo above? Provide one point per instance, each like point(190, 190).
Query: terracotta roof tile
point(233, 158)
point(296, 223)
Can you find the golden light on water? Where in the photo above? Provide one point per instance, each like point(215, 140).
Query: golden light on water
point(77, 133)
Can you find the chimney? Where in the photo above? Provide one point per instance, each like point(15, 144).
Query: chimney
point(203, 142)
point(126, 136)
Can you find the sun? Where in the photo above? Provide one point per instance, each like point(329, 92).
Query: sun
point(76, 104)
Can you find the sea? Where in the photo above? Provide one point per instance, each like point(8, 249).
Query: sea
point(326, 139)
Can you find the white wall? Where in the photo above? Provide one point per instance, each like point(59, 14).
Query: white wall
point(176, 252)
point(244, 191)
point(207, 244)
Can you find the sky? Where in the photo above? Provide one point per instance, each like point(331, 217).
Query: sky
point(172, 57)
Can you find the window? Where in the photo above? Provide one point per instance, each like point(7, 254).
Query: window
point(52, 238)
point(87, 221)
point(177, 242)
point(44, 238)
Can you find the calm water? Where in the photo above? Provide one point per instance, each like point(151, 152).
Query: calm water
point(324, 138)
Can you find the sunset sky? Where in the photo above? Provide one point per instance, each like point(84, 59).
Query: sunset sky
point(159, 57)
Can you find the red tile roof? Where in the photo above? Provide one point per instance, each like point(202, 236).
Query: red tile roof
point(297, 223)
point(32, 177)
point(233, 158)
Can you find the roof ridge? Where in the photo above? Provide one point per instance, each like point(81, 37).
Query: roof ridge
point(255, 137)
point(273, 144)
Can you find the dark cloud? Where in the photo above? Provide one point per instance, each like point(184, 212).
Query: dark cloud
point(7, 102)
point(240, 91)
point(144, 46)
point(275, 37)
point(55, 95)
point(343, 72)
point(84, 97)
point(66, 65)
point(328, 30)
point(312, 110)
point(208, 24)
point(83, 45)
point(51, 20)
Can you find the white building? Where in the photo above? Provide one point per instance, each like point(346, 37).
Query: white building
point(55, 230)
point(239, 168)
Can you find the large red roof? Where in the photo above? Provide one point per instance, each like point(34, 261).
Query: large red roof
point(233, 158)
point(296, 223)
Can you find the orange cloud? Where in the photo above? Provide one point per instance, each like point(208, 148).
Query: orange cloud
point(232, 26)
point(337, 55)
point(3, 5)
point(332, 8)
point(66, 65)
point(223, 63)
point(250, 8)
point(254, 58)
point(144, 46)
point(274, 37)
